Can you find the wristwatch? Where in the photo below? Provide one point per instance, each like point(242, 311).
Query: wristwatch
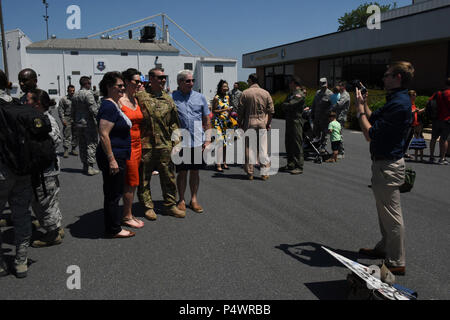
point(360, 114)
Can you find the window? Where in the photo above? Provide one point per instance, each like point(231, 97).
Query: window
point(188, 66)
point(76, 73)
point(218, 68)
point(368, 68)
point(124, 54)
point(74, 53)
point(53, 91)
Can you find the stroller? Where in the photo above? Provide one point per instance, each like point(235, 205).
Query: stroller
point(314, 148)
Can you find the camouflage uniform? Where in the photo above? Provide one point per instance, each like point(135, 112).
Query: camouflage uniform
point(341, 109)
point(320, 110)
point(84, 113)
point(65, 115)
point(160, 121)
point(235, 96)
point(293, 107)
point(17, 191)
point(46, 205)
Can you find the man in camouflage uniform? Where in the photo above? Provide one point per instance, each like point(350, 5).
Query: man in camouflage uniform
point(235, 96)
point(293, 108)
point(341, 109)
point(320, 110)
point(84, 113)
point(160, 121)
point(65, 115)
point(17, 191)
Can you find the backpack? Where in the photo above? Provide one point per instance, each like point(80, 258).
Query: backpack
point(25, 144)
point(431, 108)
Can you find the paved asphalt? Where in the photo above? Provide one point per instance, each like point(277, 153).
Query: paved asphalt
point(256, 240)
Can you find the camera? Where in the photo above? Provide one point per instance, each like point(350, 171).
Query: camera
point(357, 84)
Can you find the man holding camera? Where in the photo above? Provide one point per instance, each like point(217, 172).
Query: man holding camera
point(386, 130)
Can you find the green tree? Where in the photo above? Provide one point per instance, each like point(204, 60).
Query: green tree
point(358, 18)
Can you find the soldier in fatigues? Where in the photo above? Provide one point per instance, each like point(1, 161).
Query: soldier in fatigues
point(293, 108)
point(160, 121)
point(320, 110)
point(341, 109)
point(65, 115)
point(45, 201)
point(84, 113)
point(17, 191)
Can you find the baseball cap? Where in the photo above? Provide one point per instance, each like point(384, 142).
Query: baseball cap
point(323, 82)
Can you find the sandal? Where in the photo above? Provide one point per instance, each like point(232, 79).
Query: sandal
point(219, 169)
point(226, 167)
point(126, 222)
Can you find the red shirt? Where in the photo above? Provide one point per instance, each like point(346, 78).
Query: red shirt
point(415, 122)
point(443, 102)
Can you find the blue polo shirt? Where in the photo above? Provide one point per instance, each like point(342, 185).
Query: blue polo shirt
point(390, 126)
point(120, 134)
point(191, 109)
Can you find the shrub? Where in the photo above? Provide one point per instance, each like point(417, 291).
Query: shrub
point(242, 85)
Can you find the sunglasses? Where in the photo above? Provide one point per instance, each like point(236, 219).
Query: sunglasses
point(163, 77)
point(137, 82)
point(189, 81)
point(120, 86)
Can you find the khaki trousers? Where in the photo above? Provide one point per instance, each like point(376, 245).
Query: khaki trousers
point(387, 176)
point(257, 153)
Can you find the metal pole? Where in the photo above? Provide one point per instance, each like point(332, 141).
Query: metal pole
point(46, 15)
point(123, 26)
point(5, 62)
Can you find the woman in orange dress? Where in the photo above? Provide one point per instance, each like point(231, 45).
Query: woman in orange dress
point(131, 109)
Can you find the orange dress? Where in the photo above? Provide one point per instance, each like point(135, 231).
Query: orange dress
point(132, 172)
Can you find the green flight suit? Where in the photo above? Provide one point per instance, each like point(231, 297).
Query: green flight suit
point(160, 121)
point(293, 108)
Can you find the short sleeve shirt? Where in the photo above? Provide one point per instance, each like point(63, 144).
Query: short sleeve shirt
point(335, 128)
point(191, 109)
point(120, 134)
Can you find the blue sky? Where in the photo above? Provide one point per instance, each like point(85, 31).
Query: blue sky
point(226, 28)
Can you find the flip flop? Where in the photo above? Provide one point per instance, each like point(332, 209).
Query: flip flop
point(125, 222)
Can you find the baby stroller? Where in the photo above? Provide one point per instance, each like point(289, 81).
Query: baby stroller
point(314, 148)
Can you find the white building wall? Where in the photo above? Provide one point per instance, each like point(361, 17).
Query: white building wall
point(210, 79)
point(16, 42)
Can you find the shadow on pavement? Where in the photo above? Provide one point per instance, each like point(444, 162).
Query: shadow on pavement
point(311, 254)
point(329, 290)
point(89, 226)
point(72, 170)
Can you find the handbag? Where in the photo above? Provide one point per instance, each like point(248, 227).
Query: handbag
point(410, 177)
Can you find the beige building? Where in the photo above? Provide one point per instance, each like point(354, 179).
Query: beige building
point(419, 33)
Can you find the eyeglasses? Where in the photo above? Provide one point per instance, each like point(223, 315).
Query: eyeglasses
point(163, 77)
point(189, 80)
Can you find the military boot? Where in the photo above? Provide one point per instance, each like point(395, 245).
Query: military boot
point(66, 153)
point(51, 238)
point(150, 214)
point(91, 171)
point(175, 212)
point(74, 152)
point(3, 268)
point(61, 233)
point(21, 269)
point(296, 171)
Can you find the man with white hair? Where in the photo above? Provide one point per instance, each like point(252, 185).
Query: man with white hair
point(193, 113)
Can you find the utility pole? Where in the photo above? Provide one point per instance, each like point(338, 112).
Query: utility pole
point(5, 62)
point(46, 15)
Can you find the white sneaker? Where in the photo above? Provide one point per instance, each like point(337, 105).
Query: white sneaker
point(443, 161)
